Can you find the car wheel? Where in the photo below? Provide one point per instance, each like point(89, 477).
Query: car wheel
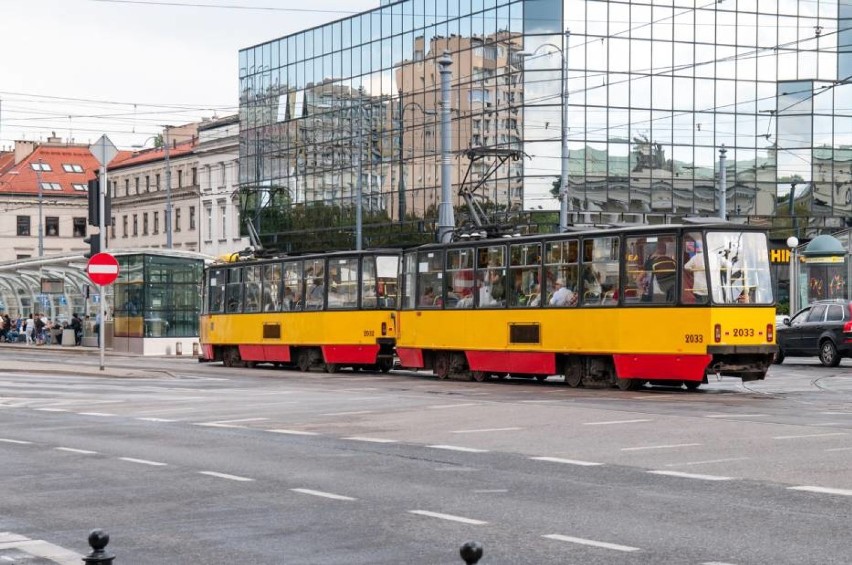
point(778, 358)
point(828, 354)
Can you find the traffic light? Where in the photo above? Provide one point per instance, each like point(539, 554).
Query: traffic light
point(94, 242)
point(95, 204)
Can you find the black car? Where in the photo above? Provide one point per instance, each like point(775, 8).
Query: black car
point(823, 329)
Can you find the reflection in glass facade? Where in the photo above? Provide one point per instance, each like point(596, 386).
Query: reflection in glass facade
point(655, 89)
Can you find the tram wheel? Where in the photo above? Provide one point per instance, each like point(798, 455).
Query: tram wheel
point(304, 360)
point(479, 376)
point(230, 357)
point(442, 365)
point(627, 384)
point(385, 365)
point(574, 379)
point(332, 367)
point(692, 385)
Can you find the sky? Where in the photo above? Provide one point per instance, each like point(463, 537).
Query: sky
point(124, 68)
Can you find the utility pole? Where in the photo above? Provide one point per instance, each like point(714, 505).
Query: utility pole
point(358, 182)
point(564, 197)
point(168, 217)
point(401, 190)
point(446, 221)
point(723, 188)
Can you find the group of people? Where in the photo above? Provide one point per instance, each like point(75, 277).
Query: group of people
point(37, 329)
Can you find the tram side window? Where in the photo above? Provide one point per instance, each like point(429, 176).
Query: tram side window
point(561, 273)
point(430, 283)
point(379, 282)
point(693, 286)
point(234, 291)
point(314, 280)
point(525, 274)
point(739, 268)
point(460, 278)
point(216, 291)
point(292, 295)
point(651, 269)
point(599, 280)
point(409, 277)
point(491, 276)
point(251, 300)
point(342, 283)
point(271, 299)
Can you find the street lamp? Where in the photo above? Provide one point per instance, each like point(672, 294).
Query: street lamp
point(793, 243)
point(168, 215)
point(40, 202)
point(401, 111)
point(564, 196)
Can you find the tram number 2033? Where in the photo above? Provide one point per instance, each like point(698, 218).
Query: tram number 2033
point(694, 338)
point(743, 332)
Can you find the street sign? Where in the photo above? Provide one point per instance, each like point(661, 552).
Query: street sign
point(102, 269)
point(103, 150)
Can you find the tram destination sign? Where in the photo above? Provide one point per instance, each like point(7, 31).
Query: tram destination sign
point(102, 269)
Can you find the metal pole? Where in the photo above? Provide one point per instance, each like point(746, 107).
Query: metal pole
point(723, 189)
point(40, 201)
point(446, 221)
point(358, 183)
point(564, 196)
point(168, 190)
point(402, 203)
point(792, 243)
point(102, 188)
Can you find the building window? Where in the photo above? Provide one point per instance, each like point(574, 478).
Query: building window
point(222, 172)
point(137, 186)
point(112, 227)
point(51, 226)
point(145, 223)
point(72, 168)
point(124, 226)
point(79, 187)
point(127, 187)
point(192, 218)
point(135, 225)
point(79, 227)
point(180, 178)
point(208, 210)
point(157, 182)
point(156, 222)
point(194, 176)
point(23, 225)
point(147, 183)
point(223, 210)
point(177, 219)
point(41, 167)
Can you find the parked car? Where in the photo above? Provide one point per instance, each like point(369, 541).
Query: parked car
point(823, 329)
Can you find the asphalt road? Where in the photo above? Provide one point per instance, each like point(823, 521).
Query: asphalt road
point(189, 463)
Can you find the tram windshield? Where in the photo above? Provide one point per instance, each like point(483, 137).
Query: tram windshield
point(738, 265)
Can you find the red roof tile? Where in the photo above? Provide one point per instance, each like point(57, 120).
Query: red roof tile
point(155, 154)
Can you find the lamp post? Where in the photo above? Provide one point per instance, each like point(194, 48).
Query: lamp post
point(401, 112)
point(723, 186)
point(446, 220)
point(564, 196)
point(40, 217)
point(793, 243)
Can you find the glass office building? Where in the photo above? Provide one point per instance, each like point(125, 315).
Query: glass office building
point(348, 112)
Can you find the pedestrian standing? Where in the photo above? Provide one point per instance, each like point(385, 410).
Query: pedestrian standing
point(29, 329)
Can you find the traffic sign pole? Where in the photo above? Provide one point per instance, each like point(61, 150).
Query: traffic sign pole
point(104, 151)
point(102, 270)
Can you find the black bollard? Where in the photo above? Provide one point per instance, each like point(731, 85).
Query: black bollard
point(98, 540)
point(471, 552)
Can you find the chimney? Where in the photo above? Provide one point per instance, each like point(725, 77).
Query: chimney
point(23, 149)
point(53, 140)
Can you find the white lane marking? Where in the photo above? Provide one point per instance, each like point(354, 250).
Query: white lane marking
point(485, 430)
point(613, 422)
point(156, 420)
point(372, 439)
point(717, 563)
point(293, 432)
point(229, 423)
point(567, 461)
point(840, 449)
point(18, 441)
point(538, 401)
point(458, 448)
point(356, 413)
point(707, 462)
point(39, 548)
point(837, 413)
point(74, 450)
point(322, 494)
point(450, 517)
point(51, 410)
point(143, 461)
point(593, 543)
point(735, 416)
point(824, 490)
point(690, 476)
point(491, 491)
point(101, 414)
point(671, 446)
point(442, 406)
point(811, 435)
point(225, 476)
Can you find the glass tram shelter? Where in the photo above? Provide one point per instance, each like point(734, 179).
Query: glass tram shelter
point(152, 309)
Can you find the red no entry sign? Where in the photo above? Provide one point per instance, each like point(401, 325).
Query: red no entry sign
point(102, 269)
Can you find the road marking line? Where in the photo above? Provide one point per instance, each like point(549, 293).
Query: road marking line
point(567, 461)
point(458, 448)
point(491, 491)
point(706, 462)
point(442, 406)
point(823, 490)
point(811, 435)
point(225, 476)
point(735, 416)
point(51, 410)
point(102, 414)
point(486, 430)
point(74, 450)
point(322, 494)
point(39, 548)
point(143, 461)
point(448, 517)
point(293, 432)
point(229, 423)
point(717, 563)
point(156, 420)
point(672, 446)
point(372, 439)
point(593, 543)
point(348, 413)
point(612, 422)
point(840, 449)
point(690, 476)
point(837, 413)
point(18, 441)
